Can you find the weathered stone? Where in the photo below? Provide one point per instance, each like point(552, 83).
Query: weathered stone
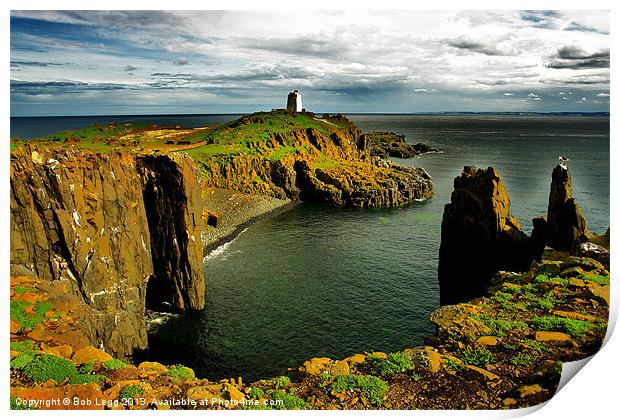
point(600, 293)
point(235, 395)
point(482, 373)
point(384, 145)
point(455, 321)
point(316, 365)
point(80, 219)
point(487, 340)
point(566, 224)
point(88, 354)
point(205, 392)
point(575, 315)
point(527, 390)
point(551, 336)
point(479, 236)
point(63, 350)
point(15, 327)
point(340, 367)
point(152, 367)
point(356, 359)
point(379, 354)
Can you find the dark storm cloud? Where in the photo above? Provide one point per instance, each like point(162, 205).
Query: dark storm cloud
point(109, 18)
point(574, 26)
point(60, 87)
point(475, 46)
point(572, 57)
point(260, 74)
point(19, 63)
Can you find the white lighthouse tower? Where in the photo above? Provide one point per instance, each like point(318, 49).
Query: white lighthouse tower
point(293, 103)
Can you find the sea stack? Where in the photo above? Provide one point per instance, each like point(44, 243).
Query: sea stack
point(566, 225)
point(479, 236)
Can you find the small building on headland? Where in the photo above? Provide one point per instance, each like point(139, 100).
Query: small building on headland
point(293, 103)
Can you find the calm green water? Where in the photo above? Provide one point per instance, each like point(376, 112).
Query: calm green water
point(332, 282)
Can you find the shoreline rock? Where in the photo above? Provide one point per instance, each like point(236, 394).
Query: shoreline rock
point(388, 144)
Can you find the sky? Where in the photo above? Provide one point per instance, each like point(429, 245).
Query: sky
point(167, 62)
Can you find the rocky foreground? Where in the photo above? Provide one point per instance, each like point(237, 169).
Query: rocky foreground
point(500, 351)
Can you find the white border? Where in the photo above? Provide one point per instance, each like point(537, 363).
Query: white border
point(591, 394)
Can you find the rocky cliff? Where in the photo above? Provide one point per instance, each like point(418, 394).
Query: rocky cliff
point(479, 236)
point(321, 160)
point(92, 222)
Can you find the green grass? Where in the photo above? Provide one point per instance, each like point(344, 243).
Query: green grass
point(256, 393)
point(47, 366)
point(372, 388)
point(522, 360)
point(596, 278)
point(22, 289)
point(325, 164)
point(477, 356)
point(237, 138)
point(290, 401)
point(284, 151)
point(281, 382)
point(535, 345)
point(572, 327)
point(499, 327)
point(130, 391)
point(87, 368)
point(114, 364)
point(180, 372)
point(395, 363)
point(26, 320)
point(22, 346)
point(452, 365)
point(545, 303)
point(22, 360)
point(324, 378)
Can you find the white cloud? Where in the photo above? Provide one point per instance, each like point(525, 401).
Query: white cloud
point(603, 95)
point(507, 94)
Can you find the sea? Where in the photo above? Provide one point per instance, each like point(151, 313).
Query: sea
point(325, 282)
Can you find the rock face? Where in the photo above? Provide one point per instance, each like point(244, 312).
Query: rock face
point(85, 219)
point(566, 227)
point(388, 144)
point(173, 211)
point(330, 168)
point(479, 236)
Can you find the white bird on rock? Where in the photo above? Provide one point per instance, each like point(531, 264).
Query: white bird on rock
point(563, 161)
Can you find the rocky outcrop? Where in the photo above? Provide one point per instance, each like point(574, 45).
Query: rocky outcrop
point(85, 220)
point(479, 236)
point(388, 144)
point(565, 226)
point(312, 164)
